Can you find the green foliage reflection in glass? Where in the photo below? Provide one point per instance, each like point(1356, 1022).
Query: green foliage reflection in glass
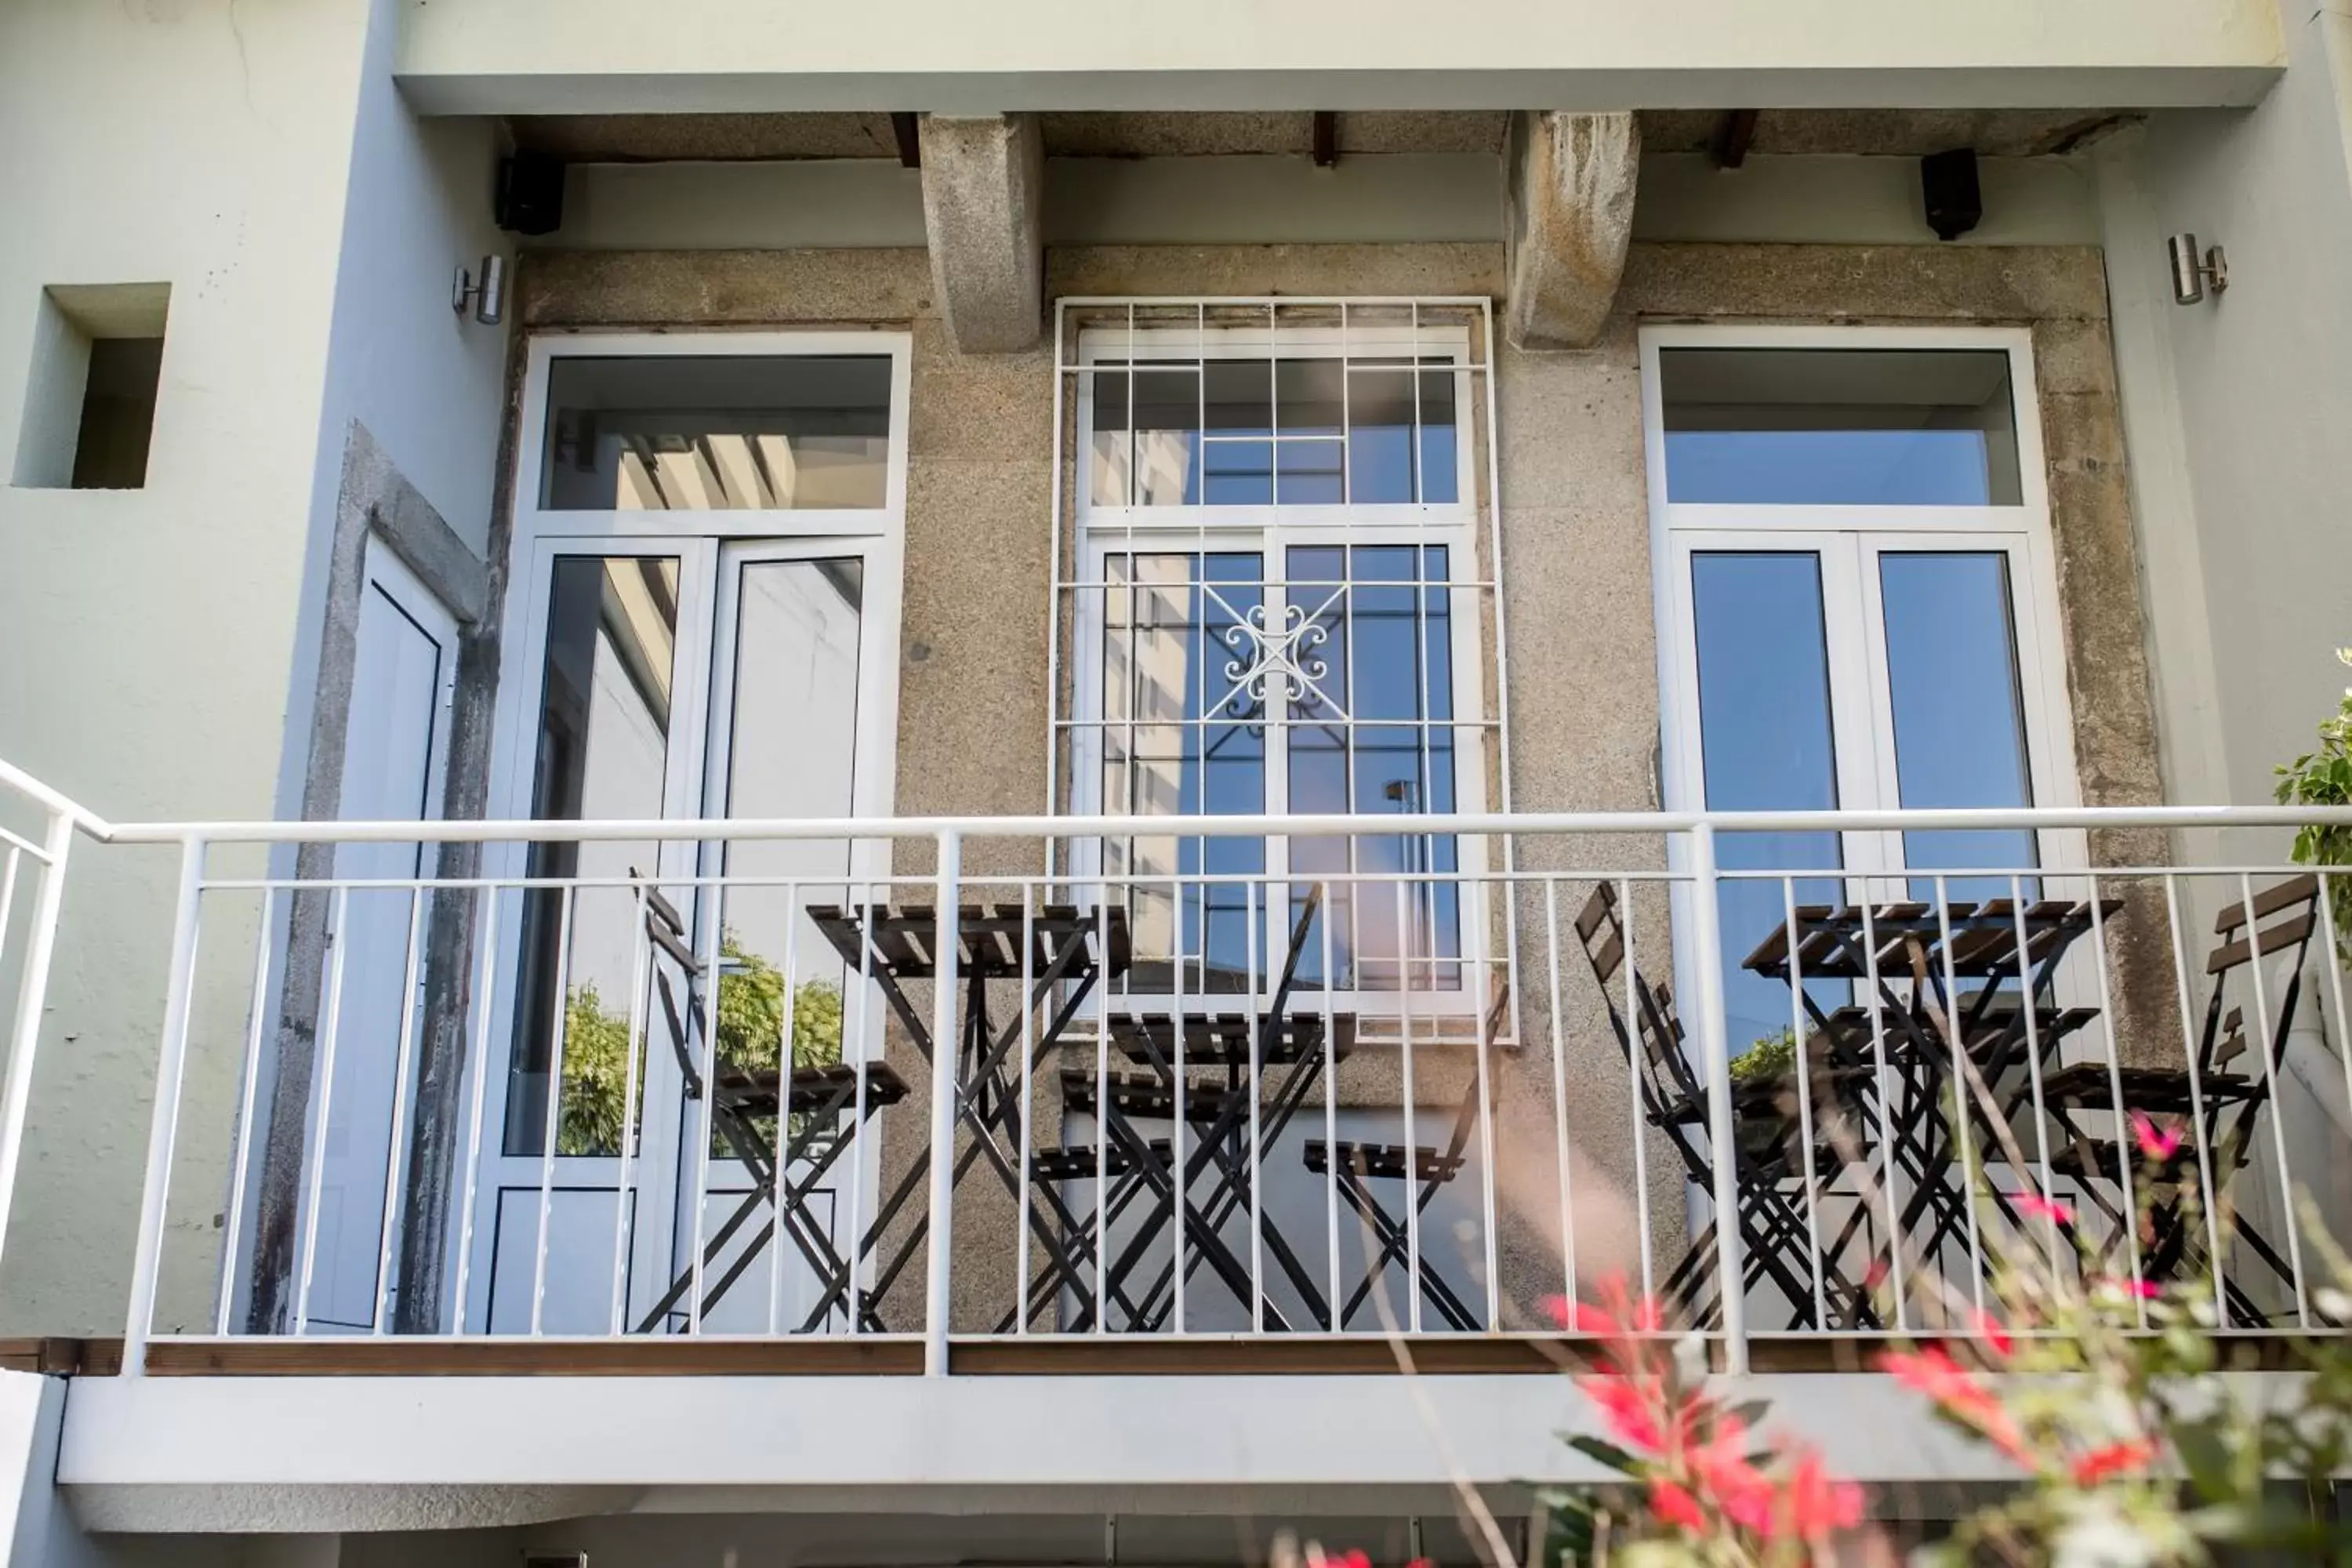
point(2324, 777)
point(752, 1006)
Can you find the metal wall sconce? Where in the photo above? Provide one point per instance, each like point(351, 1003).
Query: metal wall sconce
point(2192, 273)
point(488, 298)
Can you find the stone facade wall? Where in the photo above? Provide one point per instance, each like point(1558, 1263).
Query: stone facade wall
point(1583, 702)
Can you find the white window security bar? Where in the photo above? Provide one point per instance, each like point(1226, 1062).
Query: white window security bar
point(1218, 1171)
point(1275, 546)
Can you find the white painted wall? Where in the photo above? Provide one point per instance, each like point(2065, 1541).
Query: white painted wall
point(157, 646)
point(600, 56)
point(145, 635)
point(2263, 406)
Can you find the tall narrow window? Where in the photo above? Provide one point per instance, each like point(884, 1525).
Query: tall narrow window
point(1280, 578)
point(1856, 592)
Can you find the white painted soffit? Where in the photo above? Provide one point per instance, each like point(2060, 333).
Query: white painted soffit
point(613, 57)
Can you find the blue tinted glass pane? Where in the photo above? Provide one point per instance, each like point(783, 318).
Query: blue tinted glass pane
point(1839, 427)
point(1374, 676)
point(1959, 729)
point(1766, 744)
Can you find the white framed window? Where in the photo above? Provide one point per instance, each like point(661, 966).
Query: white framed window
point(1277, 567)
point(703, 621)
point(1857, 600)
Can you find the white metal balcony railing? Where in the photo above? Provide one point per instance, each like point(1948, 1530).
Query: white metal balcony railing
point(1401, 1098)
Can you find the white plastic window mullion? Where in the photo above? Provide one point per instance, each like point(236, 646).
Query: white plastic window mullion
point(1347, 412)
point(1414, 357)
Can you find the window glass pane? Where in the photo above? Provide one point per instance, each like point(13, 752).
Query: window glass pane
point(1183, 735)
point(1304, 432)
point(1370, 712)
point(1307, 398)
point(1167, 438)
point(1840, 426)
point(716, 433)
point(1959, 719)
point(1113, 445)
point(1766, 744)
point(1306, 473)
point(603, 751)
point(791, 747)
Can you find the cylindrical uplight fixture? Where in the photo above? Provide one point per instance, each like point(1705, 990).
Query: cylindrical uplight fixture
point(2193, 269)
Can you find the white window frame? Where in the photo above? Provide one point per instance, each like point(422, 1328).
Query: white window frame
point(708, 544)
point(1271, 531)
point(1849, 539)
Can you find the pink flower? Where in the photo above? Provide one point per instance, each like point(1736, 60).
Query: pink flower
point(2146, 1289)
point(1995, 1336)
point(1932, 1371)
point(1819, 1506)
point(2157, 1144)
point(2033, 1206)
point(1875, 1275)
point(1721, 1468)
point(1674, 1504)
point(2115, 1459)
point(1625, 1402)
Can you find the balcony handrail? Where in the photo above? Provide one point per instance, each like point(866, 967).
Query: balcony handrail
point(480, 830)
point(1693, 834)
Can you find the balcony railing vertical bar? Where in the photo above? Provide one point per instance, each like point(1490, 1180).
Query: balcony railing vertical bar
point(1102, 1241)
point(939, 1276)
point(864, 1027)
point(1564, 1169)
point(1799, 1051)
point(640, 980)
point(2332, 959)
point(163, 1122)
point(32, 986)
point(2196, 1092)
point(485, 992)
point(380, 1309)
point(2266, 1044)
point(551, 1123)
point(1025, 1243)
point(787, 1052)
point(706, 1102)
point(2126, 1182)
point(1330, 1111)
point(1636, 1005)
point(249, 1080)
point(330, 1036)
point(2028, 1009)
point(1964, 1102)
point(1706, 961)
point(1889, 1163)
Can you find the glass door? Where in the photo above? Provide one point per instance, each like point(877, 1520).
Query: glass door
point(691, 679)
point(1858, 671)
point(789, 711)
point(590, 1084)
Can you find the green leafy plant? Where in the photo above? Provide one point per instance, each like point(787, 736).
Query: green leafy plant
point(2104, 1395)
point(751, 1008)
point(1771, 1059)
point(2322, 776)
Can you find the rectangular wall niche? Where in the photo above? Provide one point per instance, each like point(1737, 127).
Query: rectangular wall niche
point(89, 408)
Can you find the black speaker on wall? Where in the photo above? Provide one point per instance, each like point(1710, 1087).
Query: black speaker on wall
point(1949, 182)
point(530, 197)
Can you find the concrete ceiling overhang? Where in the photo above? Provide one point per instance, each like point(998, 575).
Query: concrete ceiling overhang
point(1899, 132)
